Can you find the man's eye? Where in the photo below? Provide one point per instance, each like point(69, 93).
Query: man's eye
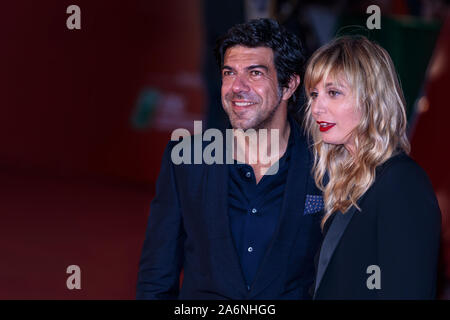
point(333, 93)
point(227, 73)
point(255, 73)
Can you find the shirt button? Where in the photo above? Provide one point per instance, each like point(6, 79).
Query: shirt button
point(248, 174)
point(250, 249)
point(248, 288)
point(254, 210)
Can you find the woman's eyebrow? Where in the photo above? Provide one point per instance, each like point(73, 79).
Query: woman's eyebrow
point(335, 84)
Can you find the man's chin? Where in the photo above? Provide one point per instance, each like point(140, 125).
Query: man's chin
point(243, 125)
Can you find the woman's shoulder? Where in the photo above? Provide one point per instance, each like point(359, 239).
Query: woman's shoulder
point(402, 171)
point(398, 165)
point(403, 187)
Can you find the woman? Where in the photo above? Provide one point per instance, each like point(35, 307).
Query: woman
point(382, 220)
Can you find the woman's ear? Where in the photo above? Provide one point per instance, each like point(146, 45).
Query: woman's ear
point(294, 82)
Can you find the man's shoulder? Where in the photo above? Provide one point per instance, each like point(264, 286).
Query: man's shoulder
point(195, 152)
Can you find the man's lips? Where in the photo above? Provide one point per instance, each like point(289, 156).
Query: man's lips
point(325, 126)
point(242, 103)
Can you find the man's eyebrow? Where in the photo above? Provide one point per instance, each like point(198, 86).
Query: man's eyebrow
point(258, 66)
point(253, 66)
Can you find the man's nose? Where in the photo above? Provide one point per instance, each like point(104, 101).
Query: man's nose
point(240, 84)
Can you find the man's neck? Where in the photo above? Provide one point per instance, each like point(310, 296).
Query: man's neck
point(263, 147)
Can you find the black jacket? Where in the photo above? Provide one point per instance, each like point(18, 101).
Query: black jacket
point(398, 230)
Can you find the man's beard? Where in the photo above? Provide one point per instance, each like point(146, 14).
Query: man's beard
point(262, 123)
point(267, 120)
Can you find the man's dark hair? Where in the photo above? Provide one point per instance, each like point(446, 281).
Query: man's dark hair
point(287, 50)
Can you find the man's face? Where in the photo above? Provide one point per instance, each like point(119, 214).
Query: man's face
point(250, 92)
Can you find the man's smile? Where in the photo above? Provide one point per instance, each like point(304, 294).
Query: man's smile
point(242, 105)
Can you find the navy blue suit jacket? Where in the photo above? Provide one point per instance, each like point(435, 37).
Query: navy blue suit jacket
point(188, 228)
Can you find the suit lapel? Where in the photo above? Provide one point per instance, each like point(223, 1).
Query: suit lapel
point(330, 242)
point(291, 216)
point(220, 237)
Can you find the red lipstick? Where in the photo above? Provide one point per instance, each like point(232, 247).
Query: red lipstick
point(325, 126)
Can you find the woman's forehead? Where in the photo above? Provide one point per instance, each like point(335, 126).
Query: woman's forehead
point(339, 79)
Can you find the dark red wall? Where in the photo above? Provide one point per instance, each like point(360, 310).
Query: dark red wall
point(431, 139)
point(67, 96)
point(76, 176)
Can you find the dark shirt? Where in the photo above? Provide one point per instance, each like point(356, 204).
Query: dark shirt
point(254, 210)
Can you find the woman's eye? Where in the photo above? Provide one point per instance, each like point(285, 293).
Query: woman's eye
point(313, 94)
point(333, 93)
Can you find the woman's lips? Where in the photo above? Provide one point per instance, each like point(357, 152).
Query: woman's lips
point(325, 126)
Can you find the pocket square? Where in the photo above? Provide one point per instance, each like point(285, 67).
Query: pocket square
point(313, 204)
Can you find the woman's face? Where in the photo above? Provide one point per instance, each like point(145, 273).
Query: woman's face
point(333, 106)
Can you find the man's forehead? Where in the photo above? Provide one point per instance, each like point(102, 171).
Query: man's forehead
point(246, 55)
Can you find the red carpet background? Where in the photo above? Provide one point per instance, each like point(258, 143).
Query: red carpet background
point(81, 137)
point(51, 223)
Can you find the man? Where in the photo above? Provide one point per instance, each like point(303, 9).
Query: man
point(237, 230)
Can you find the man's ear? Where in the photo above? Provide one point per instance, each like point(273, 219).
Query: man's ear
point(294, 82)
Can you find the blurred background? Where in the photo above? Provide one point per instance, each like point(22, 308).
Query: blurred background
point(85, 116)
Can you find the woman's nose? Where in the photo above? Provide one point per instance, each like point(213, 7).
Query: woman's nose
point(317, 107)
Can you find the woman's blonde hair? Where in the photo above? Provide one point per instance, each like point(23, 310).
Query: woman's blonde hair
point(381, 133)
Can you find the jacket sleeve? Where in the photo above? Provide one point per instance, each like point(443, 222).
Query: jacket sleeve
point(162, 253)
point(409, 223)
